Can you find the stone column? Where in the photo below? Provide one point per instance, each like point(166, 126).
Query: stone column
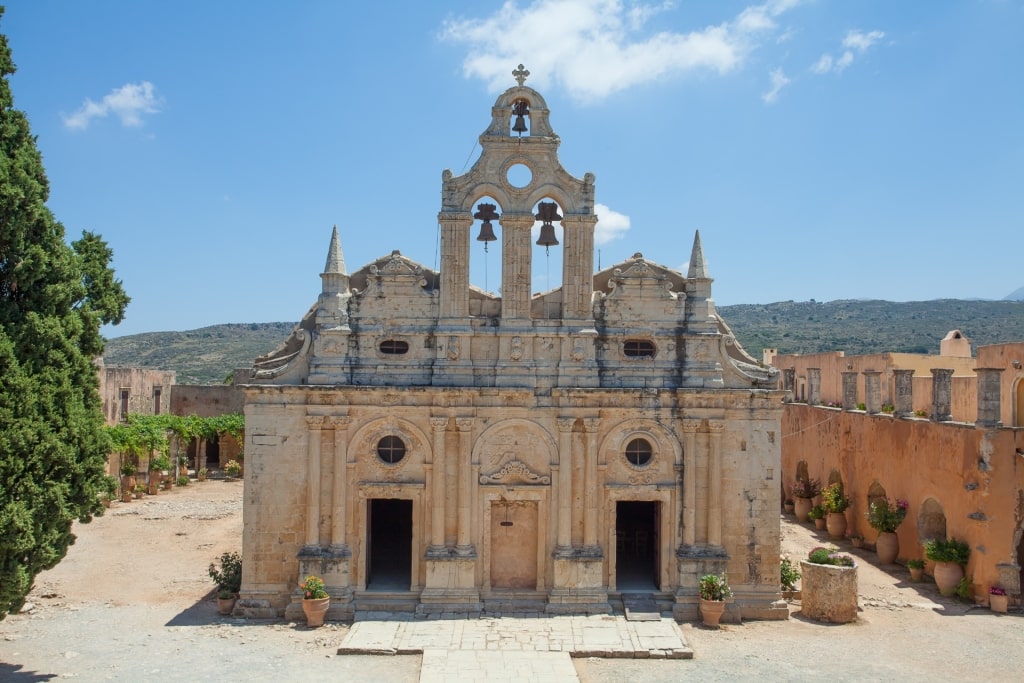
point(872, 391)
point(517, 254)
point(564, 493)
point(578, 266)
point(715, 484)
point(789, 382)
point(988, 397)
point(813, 386)
point(339, 542)
point(690, 482)
point(464, 540)
point(904, 399)
point(439, 425)
point(455, 228)
point(850, 390)
point(315, 424)
point(591, 496)
point(942, 394)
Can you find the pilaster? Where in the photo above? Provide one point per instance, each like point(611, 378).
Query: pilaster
point(904, 390)
point(942, 394)
point(517, 256)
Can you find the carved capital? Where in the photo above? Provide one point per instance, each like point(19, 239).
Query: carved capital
point(464, 424)
point(691, 426)
point(565, 424)
point(716, 427)
point(339, 422)
point(591, 424)
point(315, 421)
point(439, 424)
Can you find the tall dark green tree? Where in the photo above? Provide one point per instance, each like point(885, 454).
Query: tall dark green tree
point(53, 299)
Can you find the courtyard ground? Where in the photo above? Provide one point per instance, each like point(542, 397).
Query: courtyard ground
point(132, 601)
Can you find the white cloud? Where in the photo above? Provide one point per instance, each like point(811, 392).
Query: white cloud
point(596, 47)
point(779, 81)
point(611, 225)
point(855, 43)
point(128, 103)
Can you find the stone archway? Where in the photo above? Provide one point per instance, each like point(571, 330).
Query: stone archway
point(931, 521)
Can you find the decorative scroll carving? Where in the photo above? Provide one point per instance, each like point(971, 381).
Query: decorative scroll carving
point(640, 479)
point(517, 348)
point(454, 348)
point(515, 472)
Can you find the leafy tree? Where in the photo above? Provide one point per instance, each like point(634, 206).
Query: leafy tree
point(53, 299)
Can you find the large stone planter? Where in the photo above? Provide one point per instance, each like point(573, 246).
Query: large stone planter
point(829, 592)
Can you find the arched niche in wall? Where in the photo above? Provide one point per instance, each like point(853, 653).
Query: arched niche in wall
point(931, 521)
point(876, 493)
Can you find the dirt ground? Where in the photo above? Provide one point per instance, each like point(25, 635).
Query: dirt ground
point(132, 601)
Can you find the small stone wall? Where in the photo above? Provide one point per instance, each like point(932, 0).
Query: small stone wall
point(829, 592)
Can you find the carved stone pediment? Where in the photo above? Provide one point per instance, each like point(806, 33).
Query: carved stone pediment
point(639, 272)
point(397, 266)
point(515, 472)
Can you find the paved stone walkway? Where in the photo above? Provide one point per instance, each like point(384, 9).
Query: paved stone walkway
point(514, 648)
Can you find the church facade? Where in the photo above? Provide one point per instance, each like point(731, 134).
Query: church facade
point(427, 446)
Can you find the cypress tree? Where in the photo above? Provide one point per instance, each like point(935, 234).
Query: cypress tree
point(53, 299)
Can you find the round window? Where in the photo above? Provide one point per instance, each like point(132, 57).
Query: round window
point(391, 449)
point(639, 452)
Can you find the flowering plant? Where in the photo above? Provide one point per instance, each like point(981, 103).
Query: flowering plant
point(816, 512)
point(313, 588)
point(915, 564)
point(996, 590)
point(834, 499)
point(806, 488)
point(886, 516)
point(830, 555)
point(714, 587)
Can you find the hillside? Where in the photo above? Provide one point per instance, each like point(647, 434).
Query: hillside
point(207, 355)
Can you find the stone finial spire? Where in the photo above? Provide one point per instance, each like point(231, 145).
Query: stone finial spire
point(335, 259)
point(697, 268)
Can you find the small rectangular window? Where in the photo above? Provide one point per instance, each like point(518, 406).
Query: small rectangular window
point(156, 400)
point(124, 405)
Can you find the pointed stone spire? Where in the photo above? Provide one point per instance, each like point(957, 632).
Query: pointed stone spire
point(334, 277)
point(697, 268)
point(335, 259)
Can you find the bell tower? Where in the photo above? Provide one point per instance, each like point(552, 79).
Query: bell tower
point(519, 135)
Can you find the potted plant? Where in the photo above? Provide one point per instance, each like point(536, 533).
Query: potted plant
point(714, 589)
point(997, 599)
point(835, 502)
point(108, 490)
point(789, 575)
point(949, 557)
point(817, 515)
point(140, 490)
point(183, 480)
point(916, 568)
point(829, 586)
point(886, 517)
point(228, 577)
point(315, 600)
point(233, 469)
point(857, 539)
point(127, 476)
point(788, 506)
point(803, 491)
point(201, 474)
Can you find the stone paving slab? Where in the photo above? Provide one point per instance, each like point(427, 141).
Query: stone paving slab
point(577, 636)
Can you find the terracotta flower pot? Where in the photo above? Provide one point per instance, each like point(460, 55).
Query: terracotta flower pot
point(887, 546)
point(916, 573)
point(315, 611)
point(711, 612)
point(998, 603)
point(225, 605)
point(801, 506)
point(835, 522)
point(947, 577)
point(820, 523)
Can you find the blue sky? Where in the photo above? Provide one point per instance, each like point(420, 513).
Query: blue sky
point(825, 150)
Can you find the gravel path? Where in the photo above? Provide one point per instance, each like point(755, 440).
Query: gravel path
point(132, 601)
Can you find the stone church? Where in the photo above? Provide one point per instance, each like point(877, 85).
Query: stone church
point(427, 446)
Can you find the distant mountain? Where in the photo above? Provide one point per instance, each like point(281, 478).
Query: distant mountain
point(1016, 295)
point(209, 354)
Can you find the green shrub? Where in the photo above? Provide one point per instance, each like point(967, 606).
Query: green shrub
point(952, 550)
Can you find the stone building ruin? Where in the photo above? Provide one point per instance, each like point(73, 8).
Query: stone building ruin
point(427, 446)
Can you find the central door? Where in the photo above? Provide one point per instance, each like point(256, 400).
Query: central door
point(514, 544)
point(636, 546)
point(389, 545)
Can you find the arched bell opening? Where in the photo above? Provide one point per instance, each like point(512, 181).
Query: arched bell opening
point(548, 238)
point(519, 119)
point(485, 246)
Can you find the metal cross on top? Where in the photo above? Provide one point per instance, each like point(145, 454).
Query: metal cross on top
point(521, 74)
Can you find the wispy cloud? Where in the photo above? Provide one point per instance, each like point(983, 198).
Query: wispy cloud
point(855, 43)
point(779, 81)
point(128, 103)
point(611, 225)
point(595, 48)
